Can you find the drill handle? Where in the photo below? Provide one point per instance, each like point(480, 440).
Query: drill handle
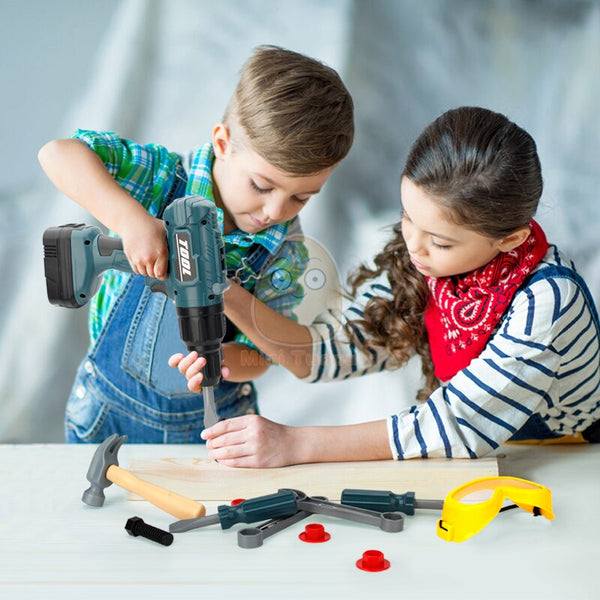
point(75, 256)
point(111, 254)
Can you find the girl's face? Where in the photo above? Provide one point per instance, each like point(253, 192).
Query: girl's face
point(438, 247)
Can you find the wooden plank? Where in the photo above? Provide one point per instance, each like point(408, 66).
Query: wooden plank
point(205, 480)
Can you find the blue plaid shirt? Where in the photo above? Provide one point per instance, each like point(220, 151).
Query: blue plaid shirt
point(147, 172)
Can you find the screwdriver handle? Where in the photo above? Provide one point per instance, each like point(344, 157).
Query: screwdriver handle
point(281, 504)
point(380, 500)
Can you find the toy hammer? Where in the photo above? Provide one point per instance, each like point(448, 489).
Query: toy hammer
point(104, 470)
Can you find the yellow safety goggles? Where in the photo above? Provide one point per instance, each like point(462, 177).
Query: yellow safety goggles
point(465, 513)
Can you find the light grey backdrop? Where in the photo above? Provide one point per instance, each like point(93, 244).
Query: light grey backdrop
point(162, 71)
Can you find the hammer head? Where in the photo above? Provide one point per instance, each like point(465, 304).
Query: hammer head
point(104, 457)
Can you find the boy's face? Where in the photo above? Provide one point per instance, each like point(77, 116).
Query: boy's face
point(253, 194)
point(440, 248)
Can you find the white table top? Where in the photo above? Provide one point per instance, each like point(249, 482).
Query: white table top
point(54, 546)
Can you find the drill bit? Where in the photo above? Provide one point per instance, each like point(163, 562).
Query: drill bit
point(210, 410)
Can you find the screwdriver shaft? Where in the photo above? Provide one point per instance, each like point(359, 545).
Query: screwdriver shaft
point(430, 504)
point(187, 524)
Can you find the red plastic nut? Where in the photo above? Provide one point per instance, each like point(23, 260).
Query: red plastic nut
point(314, 533)
point(373, 560)
point(237, 501)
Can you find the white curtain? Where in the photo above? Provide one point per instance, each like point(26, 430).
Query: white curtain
point(162, 71)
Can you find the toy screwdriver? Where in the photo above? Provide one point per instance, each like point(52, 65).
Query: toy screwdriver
point(281, 504)
point(386, 501)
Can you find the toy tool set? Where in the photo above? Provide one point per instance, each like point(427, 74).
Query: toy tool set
point(464, 512)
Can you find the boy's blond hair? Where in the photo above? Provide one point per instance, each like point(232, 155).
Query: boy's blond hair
point(293, 110)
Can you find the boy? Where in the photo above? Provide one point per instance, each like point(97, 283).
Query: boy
point(287, 126)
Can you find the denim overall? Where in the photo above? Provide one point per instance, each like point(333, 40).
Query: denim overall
point(124, 385)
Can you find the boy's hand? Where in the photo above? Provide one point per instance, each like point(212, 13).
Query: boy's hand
point(251, 441)
point(145, 245)
point(191, 366)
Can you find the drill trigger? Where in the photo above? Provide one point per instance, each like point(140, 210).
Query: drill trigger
point(159, 286)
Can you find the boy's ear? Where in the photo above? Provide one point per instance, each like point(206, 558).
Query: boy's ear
point(515, 239)
point(221, 140)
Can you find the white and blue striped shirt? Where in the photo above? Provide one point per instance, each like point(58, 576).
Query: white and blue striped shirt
point(543, 358)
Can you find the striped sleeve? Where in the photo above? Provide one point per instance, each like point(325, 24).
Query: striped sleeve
point(523, 370)
point(335, 355)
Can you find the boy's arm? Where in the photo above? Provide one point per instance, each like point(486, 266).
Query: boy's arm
point(77, 171)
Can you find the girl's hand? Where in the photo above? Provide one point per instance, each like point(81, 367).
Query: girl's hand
point(145, 245)
point(191, 366)
point(250, 441)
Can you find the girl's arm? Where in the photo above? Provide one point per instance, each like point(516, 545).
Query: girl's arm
point(77, 171)
point(253, 441)
point(244, 363)
point(285, 341)
point(293, 345)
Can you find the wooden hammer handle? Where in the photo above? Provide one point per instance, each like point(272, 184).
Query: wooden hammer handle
point(176, 505)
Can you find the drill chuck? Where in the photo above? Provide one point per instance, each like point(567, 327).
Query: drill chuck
point(202, 328)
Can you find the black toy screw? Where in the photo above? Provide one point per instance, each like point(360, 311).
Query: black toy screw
point(135, 526)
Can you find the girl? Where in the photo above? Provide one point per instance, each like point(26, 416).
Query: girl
point(505, 327)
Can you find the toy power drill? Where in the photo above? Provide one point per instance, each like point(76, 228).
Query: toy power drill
point(76, 255)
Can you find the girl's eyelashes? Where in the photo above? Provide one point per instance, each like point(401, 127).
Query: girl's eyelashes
point(442, 246)
point(258, 188)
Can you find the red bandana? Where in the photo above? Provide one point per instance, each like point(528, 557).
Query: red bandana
point(464, 310)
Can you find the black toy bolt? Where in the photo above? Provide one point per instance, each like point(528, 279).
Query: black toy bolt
point(135, 526)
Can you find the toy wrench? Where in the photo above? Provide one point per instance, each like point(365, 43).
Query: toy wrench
point(253, 537)
point(390, 522)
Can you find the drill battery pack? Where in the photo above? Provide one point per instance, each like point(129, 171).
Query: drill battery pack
point(58, 265)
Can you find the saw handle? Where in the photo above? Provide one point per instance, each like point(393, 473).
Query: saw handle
point(172, 503)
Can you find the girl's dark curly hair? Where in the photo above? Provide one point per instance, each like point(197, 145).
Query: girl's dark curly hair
point(484, 171)
point(398, 325)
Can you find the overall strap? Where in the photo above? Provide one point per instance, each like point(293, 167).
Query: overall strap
point(252, 265)
point(177, 188)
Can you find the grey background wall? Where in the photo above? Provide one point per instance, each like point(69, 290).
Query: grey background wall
point(162, 71)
